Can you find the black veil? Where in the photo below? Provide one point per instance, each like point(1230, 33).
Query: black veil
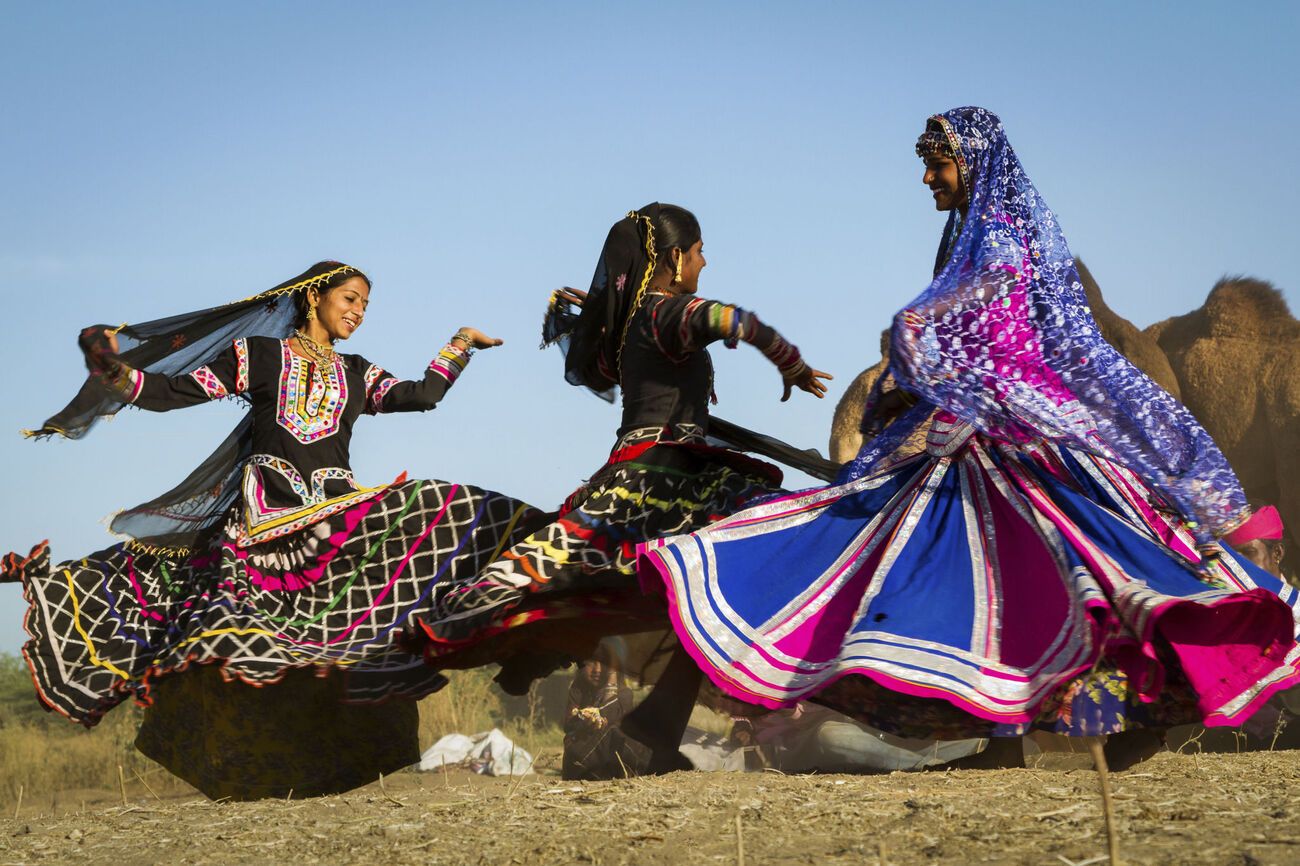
point(174, 521)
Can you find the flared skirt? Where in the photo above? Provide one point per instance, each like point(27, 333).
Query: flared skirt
point(553, 595)
point(976, 589)
point(335, 596)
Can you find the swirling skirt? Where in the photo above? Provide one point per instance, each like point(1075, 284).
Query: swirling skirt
point(975, 589)
point(554, 594)
point(332, 599)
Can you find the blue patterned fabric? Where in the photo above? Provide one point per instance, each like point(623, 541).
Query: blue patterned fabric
point(1004, 339)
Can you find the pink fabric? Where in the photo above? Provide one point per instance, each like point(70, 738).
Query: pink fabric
point(1265, 523)
point(1232, 649)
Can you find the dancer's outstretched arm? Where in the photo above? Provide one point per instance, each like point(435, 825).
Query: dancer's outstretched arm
point(386, 393)
point(224, 376)
point(690, 323)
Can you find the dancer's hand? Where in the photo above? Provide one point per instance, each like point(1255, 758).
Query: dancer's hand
point(577, 297)
point(100, 348)
point(478, 339)
point(806, 379)
point(909, 327)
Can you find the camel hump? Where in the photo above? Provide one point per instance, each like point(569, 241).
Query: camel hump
point(1247, 307)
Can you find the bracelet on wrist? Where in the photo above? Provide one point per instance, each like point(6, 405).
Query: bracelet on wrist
point(793, 370)
point(467, 347)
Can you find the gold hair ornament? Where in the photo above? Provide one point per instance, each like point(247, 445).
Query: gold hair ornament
point(303, 285)
point(651, 261)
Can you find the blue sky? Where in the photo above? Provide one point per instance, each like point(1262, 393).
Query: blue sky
point(159, 157)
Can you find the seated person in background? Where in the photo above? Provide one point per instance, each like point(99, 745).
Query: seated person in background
point(1277, 724)
point(594, 747)
point(1259, 539)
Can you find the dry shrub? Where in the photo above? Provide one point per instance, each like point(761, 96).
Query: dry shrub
point(47, 759)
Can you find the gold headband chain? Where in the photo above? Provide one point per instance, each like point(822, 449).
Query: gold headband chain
point(310, 282)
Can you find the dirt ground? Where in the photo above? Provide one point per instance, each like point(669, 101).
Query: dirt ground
point(1174, 809)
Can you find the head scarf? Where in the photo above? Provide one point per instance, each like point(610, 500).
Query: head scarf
point(1003, 338)
point(170, 347)
point(1265, 524)
point(591, 333)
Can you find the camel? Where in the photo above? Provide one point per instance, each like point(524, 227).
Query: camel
point(1234, 362)
point(1237, 359)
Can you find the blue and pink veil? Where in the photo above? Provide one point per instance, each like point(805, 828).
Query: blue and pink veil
point(1003, 338)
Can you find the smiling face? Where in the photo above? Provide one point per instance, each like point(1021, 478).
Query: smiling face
point(341, 310)
point(944, 180)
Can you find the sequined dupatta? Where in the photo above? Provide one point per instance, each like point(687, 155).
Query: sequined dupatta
point(1003, 338)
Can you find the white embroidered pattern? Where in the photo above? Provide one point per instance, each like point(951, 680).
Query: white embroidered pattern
point(312, 396)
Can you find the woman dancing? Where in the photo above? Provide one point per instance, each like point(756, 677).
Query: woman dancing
point(641, 328)
point(1050, 558)
point(269, 560)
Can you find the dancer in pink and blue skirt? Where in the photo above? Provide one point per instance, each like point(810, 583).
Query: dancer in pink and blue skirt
point(1050, 560)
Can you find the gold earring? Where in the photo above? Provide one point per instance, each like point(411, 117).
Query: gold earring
point(311, 313)
point(677, 279)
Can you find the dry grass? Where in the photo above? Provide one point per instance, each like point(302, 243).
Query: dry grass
point(46, 761)
point(1173, 810)
point(51, 759)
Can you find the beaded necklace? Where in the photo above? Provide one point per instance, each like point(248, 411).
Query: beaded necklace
point(319, 352)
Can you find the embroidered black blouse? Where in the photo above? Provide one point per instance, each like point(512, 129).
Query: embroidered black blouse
point(667, 374)
point(303, 412)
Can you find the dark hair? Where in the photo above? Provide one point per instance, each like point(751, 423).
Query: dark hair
point(345, 273)
point(675, 228)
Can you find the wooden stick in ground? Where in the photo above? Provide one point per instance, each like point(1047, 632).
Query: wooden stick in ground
point(19, 805)
point(740, 843)
point(518, 781)
point(626, 773)
point(383, 790)
point(1103, 774)
point(146, 785)
point(121, 782)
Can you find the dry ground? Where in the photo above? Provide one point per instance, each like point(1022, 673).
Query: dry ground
point(1175, 809)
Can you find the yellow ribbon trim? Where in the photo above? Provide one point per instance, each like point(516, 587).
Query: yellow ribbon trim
point(76, 623)
point(306, 511)
point(505, 536)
